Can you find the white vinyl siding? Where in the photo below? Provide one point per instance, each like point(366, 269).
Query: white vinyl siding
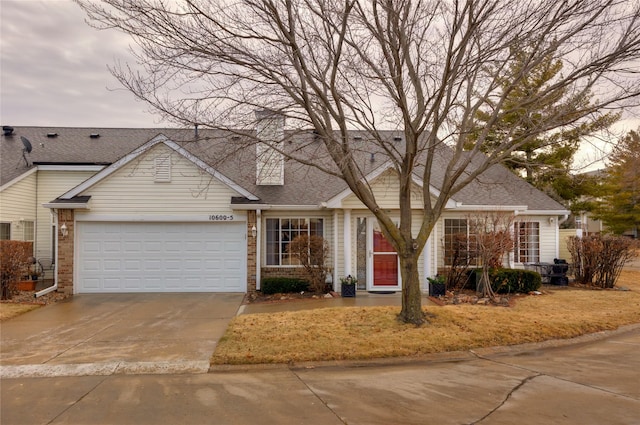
point(386, 189)
point(131, 190)
point(52, 184)
point(178, 236)
point(18, 202)
point(23, 201)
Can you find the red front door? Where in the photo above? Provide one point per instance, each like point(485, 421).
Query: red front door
point(385, 262)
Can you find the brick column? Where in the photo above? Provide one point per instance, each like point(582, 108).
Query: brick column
point(65, 251)
point(251, 252)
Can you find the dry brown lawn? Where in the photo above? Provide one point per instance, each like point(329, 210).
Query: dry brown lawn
point(374, 332)
point(9, 310)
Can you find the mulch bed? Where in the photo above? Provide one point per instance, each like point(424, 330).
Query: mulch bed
point(258, 297)
point(28, 297)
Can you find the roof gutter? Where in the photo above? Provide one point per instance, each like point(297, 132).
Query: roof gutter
point(251, 207)
point(545, 212)
point(67, 205)
point(465, 207)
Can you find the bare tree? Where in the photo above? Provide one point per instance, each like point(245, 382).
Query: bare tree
point(492, 239)
point(423, 67)
point(312, 252)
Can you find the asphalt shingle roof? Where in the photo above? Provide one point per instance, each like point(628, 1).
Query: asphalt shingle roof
point(304, 185)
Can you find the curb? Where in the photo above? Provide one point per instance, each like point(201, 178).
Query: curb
point(103, 369)
point(202, 367)
point(444, 357)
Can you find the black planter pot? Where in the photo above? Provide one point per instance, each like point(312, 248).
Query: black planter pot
point(348, 291)
point(437, 289)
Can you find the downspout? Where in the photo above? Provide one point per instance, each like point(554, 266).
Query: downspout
point(427, 262)
point(258, 247)
point(564, 218)
point(336, 250)
point(346, 218)
point(54, 215)
point(35, 223)
point(434, 234)
point(511, 257)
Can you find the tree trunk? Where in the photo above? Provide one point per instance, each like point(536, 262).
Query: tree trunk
point(411, 295)
point(484, 286)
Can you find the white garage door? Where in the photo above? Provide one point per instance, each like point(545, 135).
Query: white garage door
point(161, 257)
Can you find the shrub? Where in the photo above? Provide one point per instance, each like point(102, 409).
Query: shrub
point(14, 264)
point(275, 285)
point(598, 259)
point(513, 280)
point(312, 252)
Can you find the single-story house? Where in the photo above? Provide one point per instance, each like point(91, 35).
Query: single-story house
point(188, 210)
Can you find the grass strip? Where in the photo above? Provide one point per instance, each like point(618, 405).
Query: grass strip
point(357, 333)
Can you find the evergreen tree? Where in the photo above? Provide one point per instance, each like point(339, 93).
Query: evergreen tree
point(546, 160)
point(619, 208)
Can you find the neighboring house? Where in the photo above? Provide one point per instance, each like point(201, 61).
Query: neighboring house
point(584, 221)
point(161, 210)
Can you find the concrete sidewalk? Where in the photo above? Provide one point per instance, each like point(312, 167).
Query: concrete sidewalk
point(591, 382)
point(362, 299)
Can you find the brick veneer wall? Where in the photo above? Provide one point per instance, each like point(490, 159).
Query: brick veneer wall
point(297, 272)
point(65, 252)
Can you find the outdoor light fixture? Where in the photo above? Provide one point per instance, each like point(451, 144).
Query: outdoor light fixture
point(63, 230)
point(552, 220)
point(254, 231)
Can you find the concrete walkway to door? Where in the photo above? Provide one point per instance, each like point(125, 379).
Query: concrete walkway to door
point(104, 334)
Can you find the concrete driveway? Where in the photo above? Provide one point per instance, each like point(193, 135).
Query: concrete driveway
point(107, 334)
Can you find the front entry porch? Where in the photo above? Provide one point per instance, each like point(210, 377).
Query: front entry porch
point(378, 268)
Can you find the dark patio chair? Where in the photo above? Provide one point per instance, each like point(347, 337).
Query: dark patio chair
point(46, 264)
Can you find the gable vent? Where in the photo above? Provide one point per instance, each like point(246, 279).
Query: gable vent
point(162, 169)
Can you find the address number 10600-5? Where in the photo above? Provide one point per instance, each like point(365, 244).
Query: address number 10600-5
point(221, 217)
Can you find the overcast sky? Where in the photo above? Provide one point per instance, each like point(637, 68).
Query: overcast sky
point(54, 71)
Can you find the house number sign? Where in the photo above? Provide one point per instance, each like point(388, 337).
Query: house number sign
point(221, 217)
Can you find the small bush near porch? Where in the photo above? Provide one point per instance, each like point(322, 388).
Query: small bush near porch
point(14, 265)
point(275, 285)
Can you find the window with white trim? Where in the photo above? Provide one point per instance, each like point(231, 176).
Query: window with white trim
point(5, 231)
point(527, 241)
point(459, 242)
point(28, 231)
point(281, 231)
